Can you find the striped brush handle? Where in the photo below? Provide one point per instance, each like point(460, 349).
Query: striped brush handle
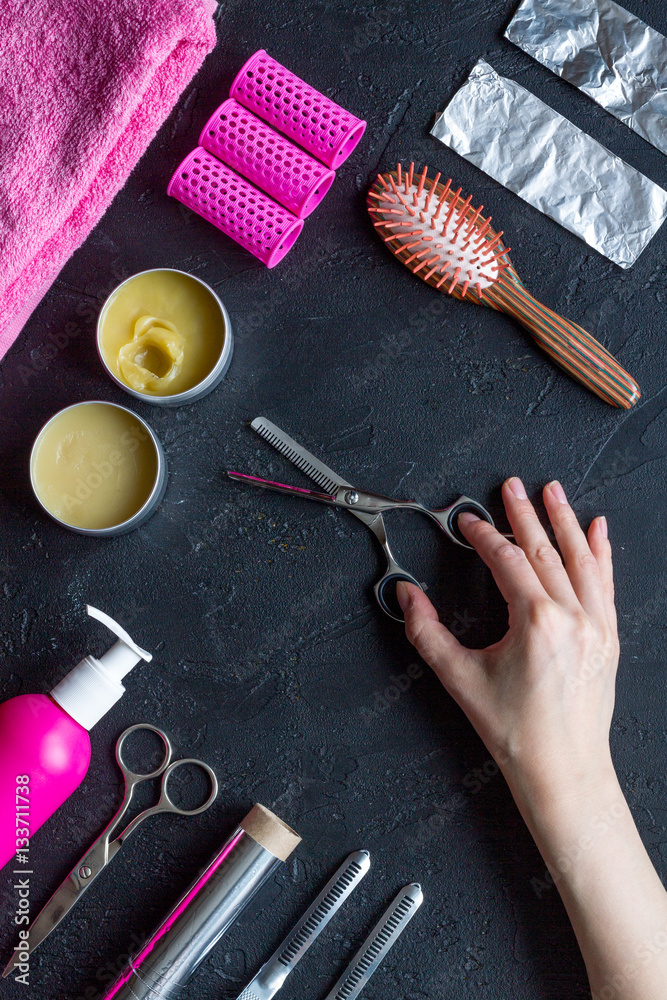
point(569, 345)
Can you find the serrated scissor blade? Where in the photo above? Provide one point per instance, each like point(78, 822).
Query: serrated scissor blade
point(273, 973)
point(376, 946)
point(304, 460)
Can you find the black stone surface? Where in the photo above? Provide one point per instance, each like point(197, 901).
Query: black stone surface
point(271, 659)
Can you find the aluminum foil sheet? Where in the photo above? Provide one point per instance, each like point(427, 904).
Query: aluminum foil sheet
point(605, 51)
point(532, 150)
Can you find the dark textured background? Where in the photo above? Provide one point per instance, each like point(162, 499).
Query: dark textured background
point(269, 651)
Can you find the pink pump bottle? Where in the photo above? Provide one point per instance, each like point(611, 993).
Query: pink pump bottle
point(44, 742)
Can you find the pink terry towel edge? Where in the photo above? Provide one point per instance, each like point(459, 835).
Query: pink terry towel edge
point(169, 80)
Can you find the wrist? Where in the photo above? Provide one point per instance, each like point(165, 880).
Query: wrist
point(554, 793)
point(567, 816)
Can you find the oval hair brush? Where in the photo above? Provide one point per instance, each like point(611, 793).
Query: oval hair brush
point(446, 242)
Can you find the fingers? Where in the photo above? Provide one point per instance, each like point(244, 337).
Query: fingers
point(514, 575)
point(451, 661)
point(531, 536)
point(601, 549)
point(581, 565)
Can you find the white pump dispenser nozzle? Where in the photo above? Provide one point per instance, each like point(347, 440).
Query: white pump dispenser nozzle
point(94, 686)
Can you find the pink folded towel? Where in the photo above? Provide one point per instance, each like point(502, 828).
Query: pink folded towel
point(84, 87)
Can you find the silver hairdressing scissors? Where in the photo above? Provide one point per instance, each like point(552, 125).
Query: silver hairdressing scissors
point(368, 507)
point(105, 848)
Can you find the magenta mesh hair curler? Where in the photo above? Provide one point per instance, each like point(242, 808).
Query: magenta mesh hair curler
point(244, 142)
point(281, 98)
point(231, 203)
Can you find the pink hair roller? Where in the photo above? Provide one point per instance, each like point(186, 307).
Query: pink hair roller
point(231, 203)
point(309, 118)
point(266, 158)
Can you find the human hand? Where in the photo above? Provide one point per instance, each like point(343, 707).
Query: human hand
point(542, 698)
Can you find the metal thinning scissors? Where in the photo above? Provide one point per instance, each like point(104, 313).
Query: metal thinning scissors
point(368, 507)
point(107, 845)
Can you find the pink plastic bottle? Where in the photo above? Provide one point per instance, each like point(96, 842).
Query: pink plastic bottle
point(44, 742)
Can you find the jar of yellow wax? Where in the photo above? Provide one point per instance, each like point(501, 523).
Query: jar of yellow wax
point(98, 469)
point(164, 336)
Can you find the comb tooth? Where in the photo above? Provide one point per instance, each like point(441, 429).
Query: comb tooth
point(431, 190)
point(473, 221)
point(478, 289)
point(444, 276)
point(442, 198)
point(398, 172)
point(492, 244)
point(401, 198)
point(455, 278)
point(425, 263)
point(411, 173)
point(482, 233)
point(416, 256)
point(462, 212)
point(381, 196)
point(501, 253)
point(433, 269)
point(452, 209)
point(422, 181)
point(383, 182)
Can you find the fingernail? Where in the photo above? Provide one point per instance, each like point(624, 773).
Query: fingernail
point(558, 491)
point(603, 527)
point(467, 517)
point(517, 488)
point(403, 596)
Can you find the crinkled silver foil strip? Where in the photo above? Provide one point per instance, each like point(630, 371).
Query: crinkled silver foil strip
point(532, 150)
point(605, 51)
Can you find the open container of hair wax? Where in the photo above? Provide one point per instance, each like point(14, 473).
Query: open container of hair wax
point(98, 469)
point(165, 337)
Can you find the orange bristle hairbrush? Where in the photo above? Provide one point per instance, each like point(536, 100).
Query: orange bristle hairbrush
point(441, 238)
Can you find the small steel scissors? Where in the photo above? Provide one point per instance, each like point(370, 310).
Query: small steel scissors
point(107, 845)
point(368, 507)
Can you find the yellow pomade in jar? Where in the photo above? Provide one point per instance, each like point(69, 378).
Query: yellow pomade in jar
point(94, 465)
point(161, 332)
